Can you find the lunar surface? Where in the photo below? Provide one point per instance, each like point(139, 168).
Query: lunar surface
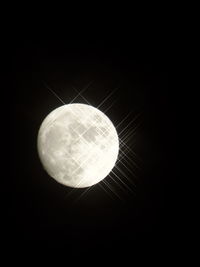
point(78, 145)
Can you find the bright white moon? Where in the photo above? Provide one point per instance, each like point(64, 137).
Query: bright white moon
point(78, 145)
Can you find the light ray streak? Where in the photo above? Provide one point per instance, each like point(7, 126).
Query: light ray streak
point(126, 158)
point(129, 142)
point(70, 193)
point(120, 183)
point(127, 137)
point(133, 131)
point(121, 157)
point(123, 189)
point(123, 119)
point(120, 186)
point(79, 93)
point(126, 167)
point(83, 90)
point(112, 190)
point(130, 123)
point(105, 191)
point(51, 90)
point(124, 145)
point(130, 132)
point(123, 173)
point(110, 106)
point(125, 177)
point(124, 149)
point(127, 187)
point(84, 193)
point(107, 98)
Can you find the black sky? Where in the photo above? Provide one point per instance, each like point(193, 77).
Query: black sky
point(39, 213)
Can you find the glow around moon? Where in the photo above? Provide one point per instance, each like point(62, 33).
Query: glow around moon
point(78, 145)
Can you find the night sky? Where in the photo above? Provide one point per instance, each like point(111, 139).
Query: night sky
point(40, 212)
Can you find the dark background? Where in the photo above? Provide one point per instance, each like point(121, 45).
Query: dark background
point(40, 213)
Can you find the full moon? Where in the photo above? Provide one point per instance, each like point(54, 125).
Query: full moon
point(78, 145)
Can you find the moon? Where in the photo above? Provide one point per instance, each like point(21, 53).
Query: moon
point(78, 145)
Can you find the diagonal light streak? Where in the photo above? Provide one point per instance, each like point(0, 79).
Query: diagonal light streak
point(70, 193)
point(123, 144)
point(110, 177)
point(80, 93)
point(126, 139)
point(120, 170)
point(110, 106)
point(123, 174)
point(51, 90)
point(131, 132)
point(99, 184)
point(123, 119)
point(124, 147)
point(112, 190)
point(122, 156)
point(84, 193)
point(127, 159)
point(127, 187)
point(130, 123)
point(107, 98)
point(128, 133)
point(124, 187)
point(120, 161)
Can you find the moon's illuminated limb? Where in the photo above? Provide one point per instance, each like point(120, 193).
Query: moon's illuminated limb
point(78, 145)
